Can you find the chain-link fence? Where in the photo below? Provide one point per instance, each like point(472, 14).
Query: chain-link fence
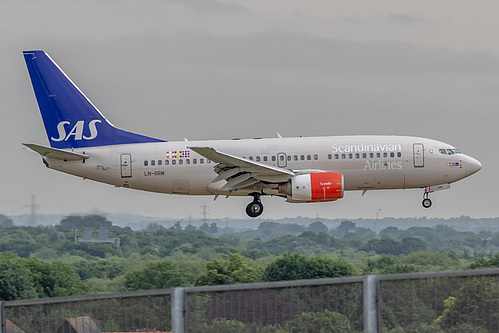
point(329, 304)
point(448, 302)
point(443, 302)
point(126, 312)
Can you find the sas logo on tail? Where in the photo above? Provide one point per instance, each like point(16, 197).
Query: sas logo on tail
point(76, 131)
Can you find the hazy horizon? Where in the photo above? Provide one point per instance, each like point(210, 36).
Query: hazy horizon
point(216, 69)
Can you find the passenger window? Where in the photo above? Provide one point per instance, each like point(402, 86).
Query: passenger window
point(371, 155)
point(302, 157)
point(336, 156)
point(174, 162)
point(187, 161)
point(273, 158)
point(251, 158)
point(350, 156)
point(208, 161)
point(316, 157)
point(167, 162)
point(357, 155)
point(364, 155)
point(180, 161)
point(385, 154)
point(146, 163)
point(295, 157)
point(343, 156)
point(153, 162)
point(392, 154)
point(399, 154)
point(289, 157)
point(258, 158)
point(265, 158)
point(194, 161)
point(281, 157)
point(201, 160)
point(378, 155)
point(329, 156)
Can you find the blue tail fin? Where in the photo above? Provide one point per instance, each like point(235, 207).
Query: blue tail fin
point(70, 119)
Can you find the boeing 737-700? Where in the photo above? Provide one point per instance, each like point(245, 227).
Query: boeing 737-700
point(301, 170)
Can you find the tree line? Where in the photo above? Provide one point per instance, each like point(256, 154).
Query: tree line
point(37, 262)
point(159, 257)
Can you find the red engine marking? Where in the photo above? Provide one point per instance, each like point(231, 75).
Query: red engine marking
point(326, 186)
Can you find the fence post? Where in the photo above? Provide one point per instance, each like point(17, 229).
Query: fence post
point(178, 310)
point(371, 293)
point(3, 322)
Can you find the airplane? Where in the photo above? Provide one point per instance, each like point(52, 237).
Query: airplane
point(299, 169)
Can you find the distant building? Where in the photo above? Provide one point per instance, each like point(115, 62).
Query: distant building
point(78, 325)
point(103, 236)
point(87, 234)
point(11, 328)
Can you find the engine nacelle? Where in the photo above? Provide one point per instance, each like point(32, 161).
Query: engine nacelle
point(314, 187)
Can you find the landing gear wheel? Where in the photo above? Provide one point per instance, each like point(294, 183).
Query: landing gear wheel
point(426, 203)
point(254, 209)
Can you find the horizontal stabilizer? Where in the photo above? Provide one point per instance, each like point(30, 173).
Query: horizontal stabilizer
point(54, 153)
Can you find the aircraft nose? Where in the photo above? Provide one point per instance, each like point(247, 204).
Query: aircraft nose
point(472, 166)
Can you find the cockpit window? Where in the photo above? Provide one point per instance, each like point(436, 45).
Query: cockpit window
point(452, 151)
point(449, 151)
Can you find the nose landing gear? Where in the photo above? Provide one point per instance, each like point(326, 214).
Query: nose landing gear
point(255, 208)
point(426, 201)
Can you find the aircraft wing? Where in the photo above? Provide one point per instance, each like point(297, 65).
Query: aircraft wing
point(55, 153)
point(240, 172)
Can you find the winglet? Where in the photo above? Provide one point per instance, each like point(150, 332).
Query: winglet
point(54, 153)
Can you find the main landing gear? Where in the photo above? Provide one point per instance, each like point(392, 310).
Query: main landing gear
point(255, 208)
point(426, 201)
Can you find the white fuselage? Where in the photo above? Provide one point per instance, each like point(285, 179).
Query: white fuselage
point(366, 162)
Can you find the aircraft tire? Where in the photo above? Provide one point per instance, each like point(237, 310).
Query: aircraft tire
point(254, 209)
point(426, 203)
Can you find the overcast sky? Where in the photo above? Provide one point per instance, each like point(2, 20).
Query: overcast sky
point(213, 69)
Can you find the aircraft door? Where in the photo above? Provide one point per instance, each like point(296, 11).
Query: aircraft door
point(282, 160)
point(418, 155)
point(126, 165)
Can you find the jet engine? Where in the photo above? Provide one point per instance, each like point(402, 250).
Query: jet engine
point(314, 187)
